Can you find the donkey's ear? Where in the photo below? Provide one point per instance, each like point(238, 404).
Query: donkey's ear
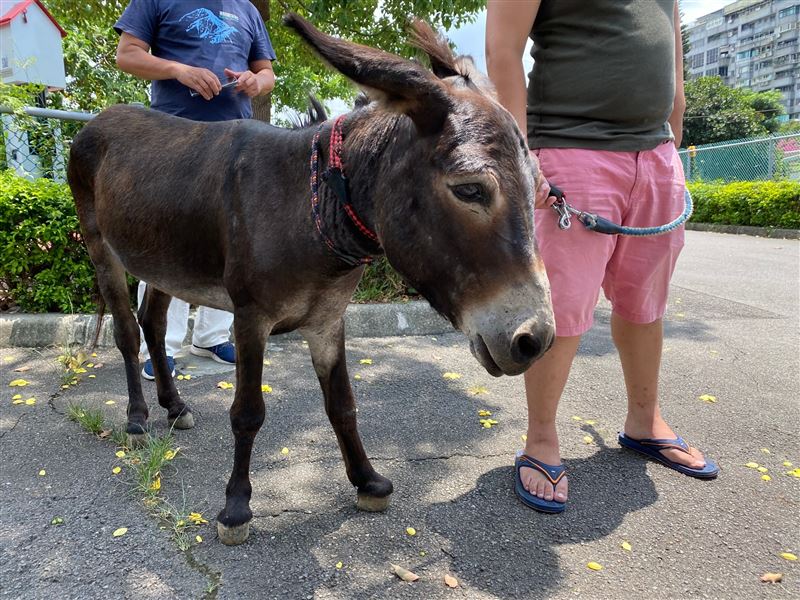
point(399, 84)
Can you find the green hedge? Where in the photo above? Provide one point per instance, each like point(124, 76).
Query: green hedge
point(758, 203)
point(44, 266)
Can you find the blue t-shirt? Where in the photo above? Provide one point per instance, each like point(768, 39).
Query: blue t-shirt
point(212, 34)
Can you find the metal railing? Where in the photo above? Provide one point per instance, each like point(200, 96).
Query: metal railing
point(773, 157)
point(35, 141)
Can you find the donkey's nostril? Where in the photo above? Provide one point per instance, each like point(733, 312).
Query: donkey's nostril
point(525, 347)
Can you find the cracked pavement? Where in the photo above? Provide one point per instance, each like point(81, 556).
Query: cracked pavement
point(732, 331)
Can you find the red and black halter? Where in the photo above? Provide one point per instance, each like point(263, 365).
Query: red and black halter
point(336, 180)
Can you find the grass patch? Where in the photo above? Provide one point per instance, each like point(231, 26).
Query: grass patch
point(147, 462)
point(90, 419)
point(381, 283)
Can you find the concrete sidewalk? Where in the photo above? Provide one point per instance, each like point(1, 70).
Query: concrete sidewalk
point(732, 331)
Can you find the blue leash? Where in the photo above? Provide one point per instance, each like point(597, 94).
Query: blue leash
point(602, 225)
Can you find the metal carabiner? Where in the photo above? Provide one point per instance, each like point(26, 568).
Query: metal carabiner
point(561, 208)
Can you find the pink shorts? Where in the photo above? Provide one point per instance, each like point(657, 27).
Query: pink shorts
point(638, 189)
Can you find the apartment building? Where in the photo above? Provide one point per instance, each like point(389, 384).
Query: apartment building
point(751, 44)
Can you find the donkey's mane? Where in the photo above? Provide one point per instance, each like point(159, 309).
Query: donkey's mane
point(314, 115)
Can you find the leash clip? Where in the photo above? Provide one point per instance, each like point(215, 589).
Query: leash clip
point(564, 219)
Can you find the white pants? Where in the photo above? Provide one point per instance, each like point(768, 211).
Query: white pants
point(211, 326)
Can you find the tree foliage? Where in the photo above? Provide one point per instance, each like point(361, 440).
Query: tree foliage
point(716, 112)
point(95, 81)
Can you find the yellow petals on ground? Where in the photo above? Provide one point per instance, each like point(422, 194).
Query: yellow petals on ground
point(587, 439)
point(42, 473)
point(120, 532)
point(19, 383)
point(267, 389)
point(450, 581)
point(19, 396)
point(626, 546)
point(357, 377)
point(79, 370)
point(30, 401)
point(120, 454)
point(477, 390)
point(484, 413)
point(451, 376)
point(576, 418)
point(762, 469)
point(18, 401)
point(116, 470)
point(170, 454)
point(284, 451)
point(590, 422)
point(788, 556)
point(524, 437)
point(786, 463)
point(594, 566)
point(196, 518)
point(766, 478)
point(89, 365)
point(707, 398)
point(92, 376)
point(180, 377)
point(267, 362)
point(198, 539)
point(411, 531)
point(766, 451)
point(487, 423)
point(156, 485)
point(794, 473)
point(339, 565)
point(365, 361)
point(772, 577)
point(110, 402)
point(224, 385)
point(752, 465)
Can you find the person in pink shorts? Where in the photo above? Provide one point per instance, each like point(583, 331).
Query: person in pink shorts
point(603, 112)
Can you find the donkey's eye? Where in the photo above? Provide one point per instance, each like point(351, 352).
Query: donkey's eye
point(470, 192)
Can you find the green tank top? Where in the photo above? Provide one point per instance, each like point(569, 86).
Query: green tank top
point(604, 74)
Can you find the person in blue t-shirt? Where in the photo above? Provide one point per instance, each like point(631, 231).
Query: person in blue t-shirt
point(206, 60)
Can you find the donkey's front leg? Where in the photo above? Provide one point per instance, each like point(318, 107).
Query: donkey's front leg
point(247, 416)
point(327, 353)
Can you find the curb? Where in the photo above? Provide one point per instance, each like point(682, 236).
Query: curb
point(769, 232)
point(361, 320)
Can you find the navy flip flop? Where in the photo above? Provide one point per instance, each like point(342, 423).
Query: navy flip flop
point(553, 473)
point(652, 447)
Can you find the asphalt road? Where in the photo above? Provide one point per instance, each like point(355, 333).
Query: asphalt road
point(732, 331)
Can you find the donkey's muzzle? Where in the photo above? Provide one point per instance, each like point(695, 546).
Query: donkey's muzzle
point(526, 347)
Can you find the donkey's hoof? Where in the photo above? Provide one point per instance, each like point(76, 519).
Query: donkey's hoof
point(372, 503)
point(233, 536)
point(185, 421)
point(137, 440)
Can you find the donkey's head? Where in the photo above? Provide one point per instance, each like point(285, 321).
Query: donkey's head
point(453, 186)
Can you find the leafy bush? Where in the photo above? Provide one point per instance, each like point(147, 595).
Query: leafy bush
point(758, 203)
point(44, 266)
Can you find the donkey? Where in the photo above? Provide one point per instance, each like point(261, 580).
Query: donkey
point(276, 225)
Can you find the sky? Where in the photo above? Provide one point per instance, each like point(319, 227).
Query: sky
point(469, 39)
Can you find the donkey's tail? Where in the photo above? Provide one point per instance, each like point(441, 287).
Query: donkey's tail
point(101, 311)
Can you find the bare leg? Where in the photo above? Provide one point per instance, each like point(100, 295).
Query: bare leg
point(544, 384)
point(247, 416)
point(328, 356)
point(153, 319)
point(639, 348)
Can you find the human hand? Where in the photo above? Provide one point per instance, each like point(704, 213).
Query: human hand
point(248, 83)
point(203, 81)
point(544, 198)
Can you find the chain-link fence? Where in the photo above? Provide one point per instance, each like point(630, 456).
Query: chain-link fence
point(774, 157)
point(35, 141)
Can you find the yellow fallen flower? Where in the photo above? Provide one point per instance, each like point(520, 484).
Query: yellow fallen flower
point(357, 377)
point(19, 383)
point(339, 565)
point(707, 398)
point(30, 401)
point(626, 546)
point(595, 566)
point(224, 385)
point(119, 532)
point(42, 473)
point(788, 556)
point(119, 454)
point(110, 402)
point(451, 376)
point(156, 485)
point(766, 478)
point(284, 451)
point(484, 413)
point(411, 531)
point(19, 396)
point(587, 439)
point(267, 389)
point(196, 518)
point(116, 470)
point(752, 465)
point(365, 361)
point(198, 539)
point(762, 469)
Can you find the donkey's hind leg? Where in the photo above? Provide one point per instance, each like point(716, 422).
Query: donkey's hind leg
point(113, 285)
point(328, 356)
point(153, 319)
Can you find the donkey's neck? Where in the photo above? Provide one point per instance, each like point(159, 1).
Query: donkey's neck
point(346, 183)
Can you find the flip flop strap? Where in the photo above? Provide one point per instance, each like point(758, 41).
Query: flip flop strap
point(665, 444)
point(554, 473)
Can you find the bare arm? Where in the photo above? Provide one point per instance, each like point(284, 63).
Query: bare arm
point(259, 80)
point(676, 118)
point(133, 56)
point(508, 25)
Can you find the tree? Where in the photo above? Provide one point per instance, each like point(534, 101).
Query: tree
point(95, 81)
point(716, 112)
